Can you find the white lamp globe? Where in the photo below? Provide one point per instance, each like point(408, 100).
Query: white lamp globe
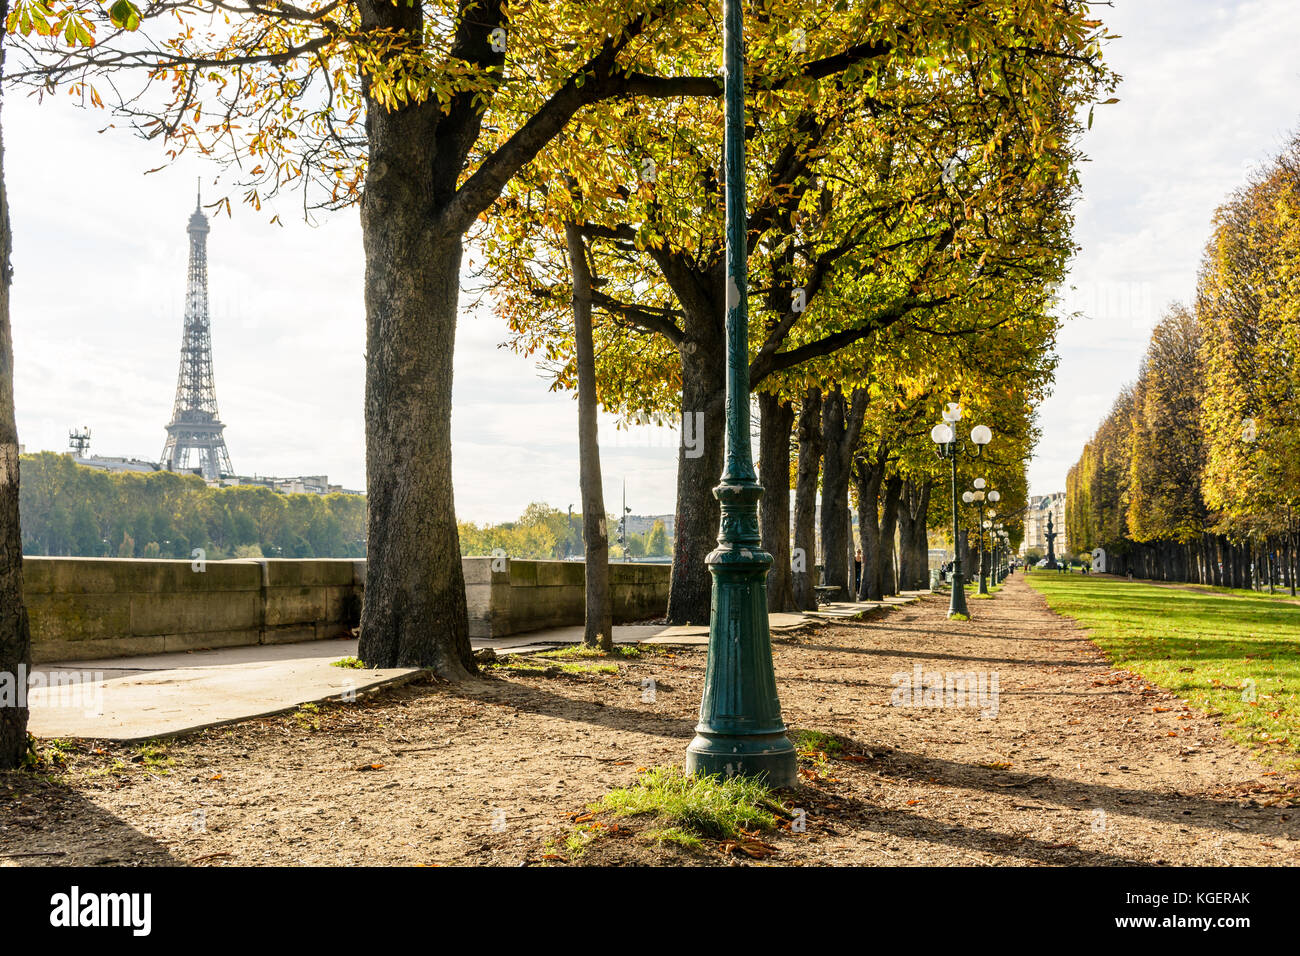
point(980, 483)
point(995, 496)
point(941, 434)
point(952, 412)
point(981, 435)
point(967, 497)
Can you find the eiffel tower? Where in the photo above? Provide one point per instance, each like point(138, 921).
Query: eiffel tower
point(196, 425)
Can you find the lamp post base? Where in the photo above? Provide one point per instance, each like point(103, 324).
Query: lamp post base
point(740, 731)
point(770, 757)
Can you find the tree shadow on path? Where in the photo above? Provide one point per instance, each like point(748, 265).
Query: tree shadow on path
point(1162, 806)
point(45, 823)
point(912, 826)
point(547, 703)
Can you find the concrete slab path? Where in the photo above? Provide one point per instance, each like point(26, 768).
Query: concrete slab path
point(159, 695)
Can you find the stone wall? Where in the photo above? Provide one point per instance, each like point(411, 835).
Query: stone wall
point(92, 608)
point(521, 596)
point(89, 608)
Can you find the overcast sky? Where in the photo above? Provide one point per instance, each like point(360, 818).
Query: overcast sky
point(1207, 95)
point(1210, 88)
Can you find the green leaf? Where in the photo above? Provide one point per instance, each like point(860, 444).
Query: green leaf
point(125, 15)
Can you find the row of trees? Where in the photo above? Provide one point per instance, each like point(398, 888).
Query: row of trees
point(1195, 473)
point(910, 208)
point(546, 533)
point(912, 169)
point(69, 509)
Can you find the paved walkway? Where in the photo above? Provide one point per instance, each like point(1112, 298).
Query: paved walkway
point(139, 698)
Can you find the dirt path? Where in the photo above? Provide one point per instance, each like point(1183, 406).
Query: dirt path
point(1080, 765)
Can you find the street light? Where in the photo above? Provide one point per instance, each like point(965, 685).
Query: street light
point(982, 527)
point(993, 498)
point(995, 552)
point(978, 497)
point(995, 556)
point(741, 731)
point(949, 448)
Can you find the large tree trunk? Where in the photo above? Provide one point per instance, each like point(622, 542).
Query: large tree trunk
point(841, 425)
point(776, 419)
point(414, 612)
point(699, 469)
point(599, 618)
point(906, 536)
point(913, 560)
point(835, 486)
point(15, 641)
point(866, 481)
point(886, 581)
point(804, 557)
point(921, 538)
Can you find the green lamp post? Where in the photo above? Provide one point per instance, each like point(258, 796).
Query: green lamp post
point(979, 497)
point(995, 553)
point(994, 497)
point(950, 448)
point(969, 498)
point(740, 731)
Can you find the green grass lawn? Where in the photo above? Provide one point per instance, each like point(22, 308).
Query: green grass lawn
point(1232, 654)
point(1281, 594)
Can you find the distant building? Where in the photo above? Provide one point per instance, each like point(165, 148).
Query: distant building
point(79, 449)
point(117, 464)
point(1040, 506)
point(301, 485)
point(640, 524)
